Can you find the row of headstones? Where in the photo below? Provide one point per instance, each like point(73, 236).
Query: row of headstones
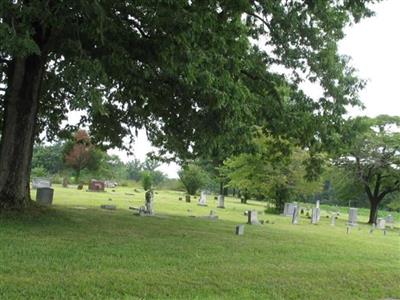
point(203, 200)
point(94, 185)
point(292, 209)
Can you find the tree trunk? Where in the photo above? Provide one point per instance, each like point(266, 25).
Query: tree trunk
point(221, 188)
point(373, 213)
point(21, 106)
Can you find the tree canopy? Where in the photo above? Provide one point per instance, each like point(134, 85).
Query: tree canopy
point(371, 152)
point(185, 70)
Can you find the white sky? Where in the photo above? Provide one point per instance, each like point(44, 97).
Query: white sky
point(374, 45)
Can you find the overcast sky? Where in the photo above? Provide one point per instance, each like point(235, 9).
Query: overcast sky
point(374, 45)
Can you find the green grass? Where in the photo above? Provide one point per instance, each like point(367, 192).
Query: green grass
point(70, 252)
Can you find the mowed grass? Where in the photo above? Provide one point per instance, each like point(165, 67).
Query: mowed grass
point(77, 250)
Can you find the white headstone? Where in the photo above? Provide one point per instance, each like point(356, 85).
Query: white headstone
point(221, 201)
point(315, 213)
point(240, 229)
point(295, 216)
point(252, 218)
point(381, 223)
point(203, 199)
point(317, 204)
point(333, 219)
point(38, 183)
point(288, 209)
point(353, 216)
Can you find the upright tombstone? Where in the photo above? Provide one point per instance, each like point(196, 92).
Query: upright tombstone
point(295, 216)
point(252, 218)
point(240, 229)
point(288, 209)
point(65, 182)
point(110, 184)
point(315, 215)
point(187, 198)
point(96, 185)
point(381, 223)
point(203, 199)
point(318, 210)
point(390, 220)
point(221, 201)
point(353, 216)
point(333, 219)
point(40, 183)
point(44, 195)
point(149, 200)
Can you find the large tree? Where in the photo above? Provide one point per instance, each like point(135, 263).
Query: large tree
point(371, 152)
point(176, 68)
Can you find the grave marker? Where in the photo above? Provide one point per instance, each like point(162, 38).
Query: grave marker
point(353, 216)
point(252, 218)
point(40, 183)
point(239, 229)
point(295, 216)
point(221, 201)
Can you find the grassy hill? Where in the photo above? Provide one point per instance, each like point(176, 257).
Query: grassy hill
point(77, 250)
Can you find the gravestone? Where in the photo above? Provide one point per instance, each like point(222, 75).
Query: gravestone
point(252, 218)
point(96, 185)
point(353, 216)
point(203, 199)
point(381, 223)
point(110, 184)
point(213, 215)
point(295, 216)
point(108, 207)
point(390, 221)
point(333, 219)
point(239, 229)
point(318, 210)
point(221, 201)
point(288, 209)
point(44, 195)
point(315, 215)
point(40, 183)
point(65, 182)
point(80, 186)
point(187, 198)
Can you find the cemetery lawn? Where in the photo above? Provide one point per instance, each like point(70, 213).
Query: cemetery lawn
point(77, 250)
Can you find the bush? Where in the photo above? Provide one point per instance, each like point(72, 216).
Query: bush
point(147, 180)
point(193, 178)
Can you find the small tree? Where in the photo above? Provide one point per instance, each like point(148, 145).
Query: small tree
point(193, 178)
point(81, 154)
point(147, 180)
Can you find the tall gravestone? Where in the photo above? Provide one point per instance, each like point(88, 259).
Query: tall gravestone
point(295, 216)
point(333, 219)
point(252, 218)
point(221, 201)
point(65, 182)
point(288, 209)
point(203, 199)
point(315, 213)
point(353, 216)
point(318, 210)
